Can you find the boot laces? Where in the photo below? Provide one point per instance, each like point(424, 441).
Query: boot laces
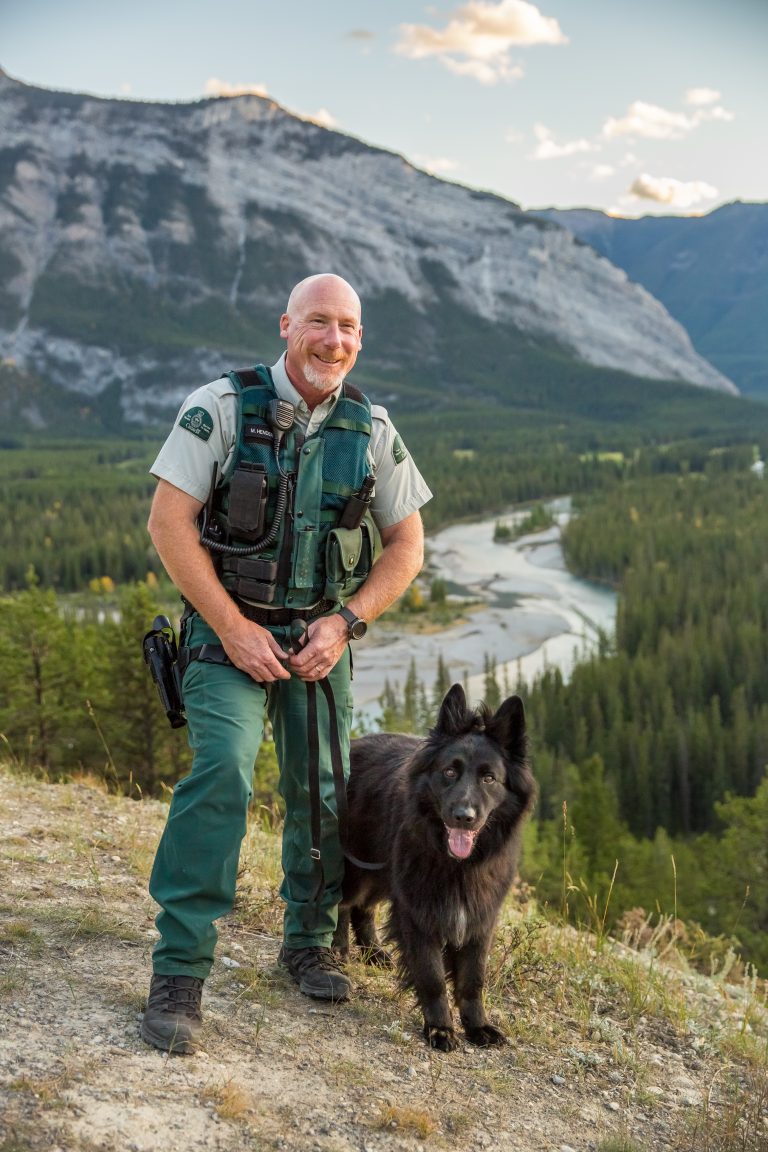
point(322, 958)
point(180, 995)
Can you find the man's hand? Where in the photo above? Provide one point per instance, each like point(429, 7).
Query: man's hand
point(254, 650)
point(326, 641)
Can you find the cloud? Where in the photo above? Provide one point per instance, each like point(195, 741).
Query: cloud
point(601, 171)
point(324, 118)
point(699, 96)
point(651, 122)
point(483, 71)
point(666, 190)
point(548, 149)
point(655, 123)
point(364, 34)
point(214, 87)
point(476, 42)
point(628, 160)
point(437, 165)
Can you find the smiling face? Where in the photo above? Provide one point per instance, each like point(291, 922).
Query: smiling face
point(321, 326)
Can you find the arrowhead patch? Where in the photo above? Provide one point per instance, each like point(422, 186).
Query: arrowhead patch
point(198, 422)
point(398, 451)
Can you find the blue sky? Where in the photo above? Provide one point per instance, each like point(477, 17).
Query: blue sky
point(631, 106)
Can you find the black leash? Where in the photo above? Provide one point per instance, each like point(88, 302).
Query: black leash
point(339, 787)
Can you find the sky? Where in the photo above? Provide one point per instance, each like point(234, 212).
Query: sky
point(630, 106)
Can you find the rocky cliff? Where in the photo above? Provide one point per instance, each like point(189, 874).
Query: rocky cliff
point(711, 272)
point(143, 246)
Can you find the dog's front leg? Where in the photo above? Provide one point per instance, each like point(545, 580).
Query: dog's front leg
point(468, 965)
point(340, 941)
point(364, 928)
point(422, 962)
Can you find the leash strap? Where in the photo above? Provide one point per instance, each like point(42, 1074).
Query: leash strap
point(339, 787)
point(313, 780)
point(339, 783)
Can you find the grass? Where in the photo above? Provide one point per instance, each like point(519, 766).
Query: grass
point(231, 1100)
point(18, 936)
point(82, 923)
point(582, 1005)
point(409, 1120)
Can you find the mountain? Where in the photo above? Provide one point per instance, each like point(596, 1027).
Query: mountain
point(146, 247)
point(710, 272)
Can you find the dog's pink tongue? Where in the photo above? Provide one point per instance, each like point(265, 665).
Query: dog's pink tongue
point(460, 842)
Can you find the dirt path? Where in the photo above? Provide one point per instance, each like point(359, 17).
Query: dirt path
point(278, 1070)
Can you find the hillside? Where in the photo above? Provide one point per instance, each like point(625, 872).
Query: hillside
point(710, 272)
point(146, 247)
point(611, 1050)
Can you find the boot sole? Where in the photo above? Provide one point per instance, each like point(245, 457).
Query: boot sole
point(175, 1045)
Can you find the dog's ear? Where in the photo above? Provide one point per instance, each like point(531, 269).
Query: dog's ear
point(507, 727)
point(452, 718)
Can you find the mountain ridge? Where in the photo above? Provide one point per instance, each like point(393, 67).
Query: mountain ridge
point(148, 241)
point(709, 271)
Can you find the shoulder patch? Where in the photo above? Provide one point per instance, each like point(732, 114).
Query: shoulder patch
point(198, 422)
point(398, 450)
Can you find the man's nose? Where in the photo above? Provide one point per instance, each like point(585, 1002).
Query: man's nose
point(332, 334)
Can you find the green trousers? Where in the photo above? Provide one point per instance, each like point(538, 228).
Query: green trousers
point(195, 868)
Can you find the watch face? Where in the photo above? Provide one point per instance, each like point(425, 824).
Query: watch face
point(358, 629)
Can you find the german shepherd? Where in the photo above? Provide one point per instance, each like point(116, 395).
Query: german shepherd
point(442, 818)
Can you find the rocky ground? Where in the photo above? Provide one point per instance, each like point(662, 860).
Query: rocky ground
point(610, 1050)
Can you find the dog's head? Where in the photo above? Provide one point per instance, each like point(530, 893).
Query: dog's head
point(473, 771)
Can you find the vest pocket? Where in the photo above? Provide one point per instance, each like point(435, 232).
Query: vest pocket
point(342, 556)
point(304, 565)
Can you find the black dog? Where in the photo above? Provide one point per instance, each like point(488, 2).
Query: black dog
point(444, 817)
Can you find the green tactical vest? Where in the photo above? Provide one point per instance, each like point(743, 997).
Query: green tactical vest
point(311, 558)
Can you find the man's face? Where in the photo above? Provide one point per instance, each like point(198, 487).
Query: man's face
point(324, 335)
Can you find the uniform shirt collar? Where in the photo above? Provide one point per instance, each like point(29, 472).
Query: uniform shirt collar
point(286, 391)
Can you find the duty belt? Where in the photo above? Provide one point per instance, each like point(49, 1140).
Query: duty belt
point(283, 615)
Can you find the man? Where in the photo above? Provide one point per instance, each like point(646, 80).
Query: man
point(261, 518)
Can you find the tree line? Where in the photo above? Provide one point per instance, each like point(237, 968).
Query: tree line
point(652, 754)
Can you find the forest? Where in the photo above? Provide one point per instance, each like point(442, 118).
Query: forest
point(650, 760)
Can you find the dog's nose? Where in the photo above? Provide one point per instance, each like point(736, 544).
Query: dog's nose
point(465, 814)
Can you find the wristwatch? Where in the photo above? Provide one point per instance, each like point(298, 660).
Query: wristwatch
point(356, 628)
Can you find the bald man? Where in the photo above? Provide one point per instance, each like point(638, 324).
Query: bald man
point(287, 515)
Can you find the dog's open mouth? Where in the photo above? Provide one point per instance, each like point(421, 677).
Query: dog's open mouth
point(461, 841)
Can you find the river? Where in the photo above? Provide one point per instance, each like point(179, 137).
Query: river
point(535, 615)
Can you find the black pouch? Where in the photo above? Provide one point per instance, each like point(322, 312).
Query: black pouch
point(342, 556)
point(247, 509)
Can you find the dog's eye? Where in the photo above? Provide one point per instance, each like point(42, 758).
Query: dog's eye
point(489, 778)
point(450, 773)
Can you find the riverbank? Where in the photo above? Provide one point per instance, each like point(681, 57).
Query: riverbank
point(532, 614)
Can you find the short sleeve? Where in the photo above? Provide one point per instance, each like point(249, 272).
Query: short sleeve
point(400, 488)
point(203, 434)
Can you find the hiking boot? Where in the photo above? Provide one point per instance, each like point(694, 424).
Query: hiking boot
point(317, 972)
point(172, 1018)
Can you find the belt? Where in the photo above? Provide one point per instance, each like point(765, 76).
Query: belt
point(283, 615)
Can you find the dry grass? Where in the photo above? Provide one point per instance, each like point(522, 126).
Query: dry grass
point(420, 1123)
point(231, 1100)
point(586, 1007)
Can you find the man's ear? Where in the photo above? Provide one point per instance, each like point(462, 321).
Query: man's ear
point(284, 322)
point(360, 338)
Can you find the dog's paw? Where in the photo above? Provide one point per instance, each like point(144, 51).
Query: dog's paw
point(443, 1039)
point(485, 1035)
